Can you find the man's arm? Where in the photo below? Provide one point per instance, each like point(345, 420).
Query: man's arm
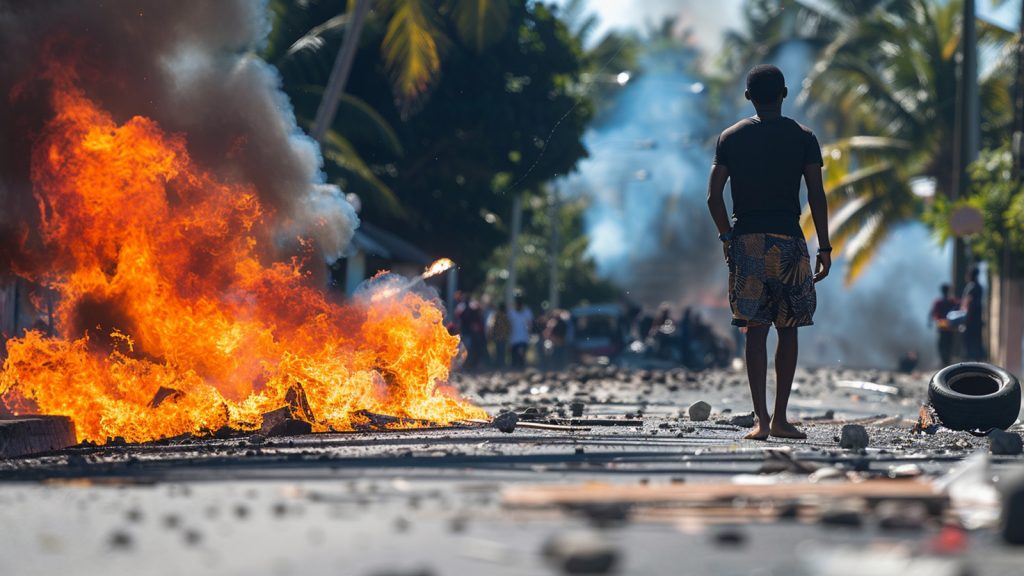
point(716, 203)
point(819, 213)
point(716, 198)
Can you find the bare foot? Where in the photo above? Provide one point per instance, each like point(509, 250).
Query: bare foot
point(786, 430)
point(760, 432)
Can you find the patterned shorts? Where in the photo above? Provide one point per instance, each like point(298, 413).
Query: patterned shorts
point(770, 281)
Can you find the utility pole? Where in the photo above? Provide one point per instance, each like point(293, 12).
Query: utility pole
point(513, 247)
point(968, 132)
point(554, 249)
point(340, 72)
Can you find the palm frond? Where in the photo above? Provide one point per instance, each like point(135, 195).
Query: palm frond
point(480, 23)
point(864, 247)
point(412, 48)
point(344, 156)
point(355, 119)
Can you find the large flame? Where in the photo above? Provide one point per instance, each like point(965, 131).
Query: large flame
point(161, 284)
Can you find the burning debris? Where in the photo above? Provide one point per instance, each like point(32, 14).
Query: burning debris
point(185, 261)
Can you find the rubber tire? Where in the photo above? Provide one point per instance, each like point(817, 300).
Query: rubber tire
point(967, 412)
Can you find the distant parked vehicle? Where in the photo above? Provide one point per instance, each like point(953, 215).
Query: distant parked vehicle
point(599, 332)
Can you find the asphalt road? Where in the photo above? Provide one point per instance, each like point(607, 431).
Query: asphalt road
point(435, 501)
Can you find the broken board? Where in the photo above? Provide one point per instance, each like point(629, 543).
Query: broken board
point(23, 435)
point(703, 494)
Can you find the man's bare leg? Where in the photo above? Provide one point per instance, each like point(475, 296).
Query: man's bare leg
point(757, 374)
point(785, 368)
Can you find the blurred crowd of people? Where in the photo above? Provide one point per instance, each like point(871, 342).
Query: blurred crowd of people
point(497, 336)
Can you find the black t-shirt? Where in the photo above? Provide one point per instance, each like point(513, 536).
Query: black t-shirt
point(766, 159)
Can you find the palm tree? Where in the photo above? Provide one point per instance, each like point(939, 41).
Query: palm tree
point(302, 44)
point(304, 41)
point(889, 84)
point(416, 38)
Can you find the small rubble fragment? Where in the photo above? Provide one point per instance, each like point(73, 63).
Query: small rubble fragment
point(853, 437)
point(927, 421)
point(699, 411)
point(1005, 443)
point(164, 394)
point(121, 540)
point(506, 422)
point(743, 420)
point(731, 537)
point(580, 553)
point(296, 408)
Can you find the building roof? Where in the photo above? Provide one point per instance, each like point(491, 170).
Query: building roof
point(378, 242)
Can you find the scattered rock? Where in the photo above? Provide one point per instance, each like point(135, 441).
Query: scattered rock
point(1005, 443)
point(699, 411)
point(192, 537)
point(853, 437)
point(743, 420)
point(506, 422)
point(730, 537)
point(121, 540)
point(580, 553)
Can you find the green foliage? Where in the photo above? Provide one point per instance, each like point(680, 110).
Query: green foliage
point(412, 47)
point(887, 86)
point(578, 280)
point(302, 45)
point(496, 122)
point(997, 194)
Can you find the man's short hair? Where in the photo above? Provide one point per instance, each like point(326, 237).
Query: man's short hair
point(765, 83)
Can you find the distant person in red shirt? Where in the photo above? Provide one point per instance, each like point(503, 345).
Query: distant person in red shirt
point(941, 308)
point(770, 277)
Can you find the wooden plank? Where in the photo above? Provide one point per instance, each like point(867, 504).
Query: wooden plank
point(23, 435)
point(595, 493)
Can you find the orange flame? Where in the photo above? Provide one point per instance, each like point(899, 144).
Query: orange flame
point(161, 283)
point(438, 267)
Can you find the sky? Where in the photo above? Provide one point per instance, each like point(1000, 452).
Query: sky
point(716, 16)
point(712, 16)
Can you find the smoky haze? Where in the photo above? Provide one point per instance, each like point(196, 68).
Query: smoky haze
point(650, 229)
point(190, 66)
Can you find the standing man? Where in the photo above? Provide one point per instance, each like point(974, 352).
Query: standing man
point(499, 329)
point(520, 319)
point(770, 279)
point(971, 304)
point(941, 308)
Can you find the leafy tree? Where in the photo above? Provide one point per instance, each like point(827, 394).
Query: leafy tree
point(999, 196)
point(303, 42)
point(497, 122)
point(577, 272)
point(888, 85)
point(437, 152)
